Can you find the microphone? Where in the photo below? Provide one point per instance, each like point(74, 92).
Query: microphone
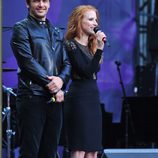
point(96, 29)
point(51, 100)
point(118, 63)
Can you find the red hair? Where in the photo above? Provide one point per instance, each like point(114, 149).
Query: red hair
point(74, 24)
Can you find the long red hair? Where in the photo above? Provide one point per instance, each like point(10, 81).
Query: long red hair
point(74, 25)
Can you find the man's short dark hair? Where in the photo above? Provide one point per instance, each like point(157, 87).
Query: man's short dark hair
point(28, 1)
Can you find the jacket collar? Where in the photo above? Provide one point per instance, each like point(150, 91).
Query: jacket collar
point(54, 31)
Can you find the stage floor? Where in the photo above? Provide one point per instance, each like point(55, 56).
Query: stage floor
point(131, 153)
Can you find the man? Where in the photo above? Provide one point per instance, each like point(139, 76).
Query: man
point(44, 69)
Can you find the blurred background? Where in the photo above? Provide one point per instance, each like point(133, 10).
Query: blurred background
point(128, 80)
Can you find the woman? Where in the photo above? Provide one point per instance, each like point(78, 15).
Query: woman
point(83, 118)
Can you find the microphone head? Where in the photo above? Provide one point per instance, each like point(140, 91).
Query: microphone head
point(96, 29)
point(118, 63)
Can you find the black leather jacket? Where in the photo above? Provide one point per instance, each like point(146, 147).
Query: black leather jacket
point(39, 52)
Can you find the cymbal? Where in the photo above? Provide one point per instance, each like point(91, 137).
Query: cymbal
point(8, 69)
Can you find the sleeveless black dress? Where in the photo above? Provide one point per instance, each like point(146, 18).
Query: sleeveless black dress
point(82, 110)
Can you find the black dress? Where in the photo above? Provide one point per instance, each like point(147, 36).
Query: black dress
point(82, 110)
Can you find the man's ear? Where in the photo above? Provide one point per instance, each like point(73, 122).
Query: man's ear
point(27, 5)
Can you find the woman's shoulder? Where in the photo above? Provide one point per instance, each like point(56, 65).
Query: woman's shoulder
point(70, 45)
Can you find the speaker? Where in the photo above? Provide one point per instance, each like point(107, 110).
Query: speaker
point(131, 153)
point(145, 79)
point(153, 40)
point(109, 139)
point(142, 123)
point(152, 35)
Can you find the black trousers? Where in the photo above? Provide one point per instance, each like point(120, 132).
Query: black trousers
point(39, 126)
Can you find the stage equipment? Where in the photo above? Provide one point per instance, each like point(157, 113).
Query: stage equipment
point(145, 112)
point(126, 108)
point(145, 80)
point(131, 153)
point(6, 113)
point(8, 69)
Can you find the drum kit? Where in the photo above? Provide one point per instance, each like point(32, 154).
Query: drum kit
point(6, 113)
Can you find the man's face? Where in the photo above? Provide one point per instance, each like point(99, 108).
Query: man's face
point(39, 8)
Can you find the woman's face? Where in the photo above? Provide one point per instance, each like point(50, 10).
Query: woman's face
point(88, 22)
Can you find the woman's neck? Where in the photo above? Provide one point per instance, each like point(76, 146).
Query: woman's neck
point(82, 40)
